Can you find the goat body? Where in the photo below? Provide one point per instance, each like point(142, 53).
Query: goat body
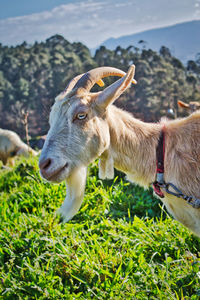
point(11, 145)
point(84, 126)
point(133, 147)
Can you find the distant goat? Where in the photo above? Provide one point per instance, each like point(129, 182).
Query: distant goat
point(192, 105)
point(85, 126)
point(11, 145)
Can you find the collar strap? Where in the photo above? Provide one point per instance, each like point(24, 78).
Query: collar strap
point(160, 183)
point(160, 156)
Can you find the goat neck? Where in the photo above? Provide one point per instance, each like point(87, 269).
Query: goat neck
point(133, 145)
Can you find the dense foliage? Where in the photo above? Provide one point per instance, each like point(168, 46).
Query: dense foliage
point(121, 244)
point(31, 77)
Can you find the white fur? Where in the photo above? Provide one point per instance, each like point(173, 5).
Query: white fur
point(75, 187)
point(11, 145)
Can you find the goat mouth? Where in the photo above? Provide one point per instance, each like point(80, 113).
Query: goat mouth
point(56, 174)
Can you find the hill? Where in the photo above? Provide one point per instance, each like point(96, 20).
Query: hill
point(182, 39)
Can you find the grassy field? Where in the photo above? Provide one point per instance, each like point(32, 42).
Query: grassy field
point(121, 244)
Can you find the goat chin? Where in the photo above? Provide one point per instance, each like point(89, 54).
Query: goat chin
point(75, 186)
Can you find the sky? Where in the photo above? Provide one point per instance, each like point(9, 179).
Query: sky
point(88, 21)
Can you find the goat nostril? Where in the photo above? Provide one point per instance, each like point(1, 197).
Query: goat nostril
point(45, 164)
point(48, 162)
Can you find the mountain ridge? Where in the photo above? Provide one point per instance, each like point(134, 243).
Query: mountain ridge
point(183, 39)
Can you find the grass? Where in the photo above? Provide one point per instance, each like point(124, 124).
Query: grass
point(121, 244)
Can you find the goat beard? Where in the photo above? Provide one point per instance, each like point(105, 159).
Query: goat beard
point(75, 188)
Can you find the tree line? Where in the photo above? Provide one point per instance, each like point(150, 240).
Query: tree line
point(31, 76)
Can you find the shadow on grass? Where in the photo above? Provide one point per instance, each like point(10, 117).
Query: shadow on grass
point(118, 198)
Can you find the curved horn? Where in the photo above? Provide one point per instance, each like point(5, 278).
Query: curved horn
point(88, 80)
point(71, 85)
point(113, 91)
point(183, 104)
point(73, 82)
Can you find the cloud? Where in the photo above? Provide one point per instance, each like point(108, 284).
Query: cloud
point(71, 20)
point(93, 21)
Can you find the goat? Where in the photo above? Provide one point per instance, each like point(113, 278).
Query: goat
point(11, 145)
point(192, 105)
point(85, 126)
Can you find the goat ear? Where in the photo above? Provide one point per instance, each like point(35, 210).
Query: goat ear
point(112, 92)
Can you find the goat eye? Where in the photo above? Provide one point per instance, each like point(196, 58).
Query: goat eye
point(81, 116)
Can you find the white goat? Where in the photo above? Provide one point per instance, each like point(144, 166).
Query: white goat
point(85, 126)
point(11, 145)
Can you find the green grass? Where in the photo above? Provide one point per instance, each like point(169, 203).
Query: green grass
point(121, 244)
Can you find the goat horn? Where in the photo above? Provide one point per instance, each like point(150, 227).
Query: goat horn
point(71, 85)
point(73, 82)
point(88, 80)
point(183, 104)
point(113, 91)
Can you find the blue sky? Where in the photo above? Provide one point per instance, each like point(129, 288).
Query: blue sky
point(15, 8)
point(88, 21)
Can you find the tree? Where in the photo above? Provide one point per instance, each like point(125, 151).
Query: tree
point(32, 76)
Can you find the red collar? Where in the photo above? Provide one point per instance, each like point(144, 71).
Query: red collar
point(160, 156)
